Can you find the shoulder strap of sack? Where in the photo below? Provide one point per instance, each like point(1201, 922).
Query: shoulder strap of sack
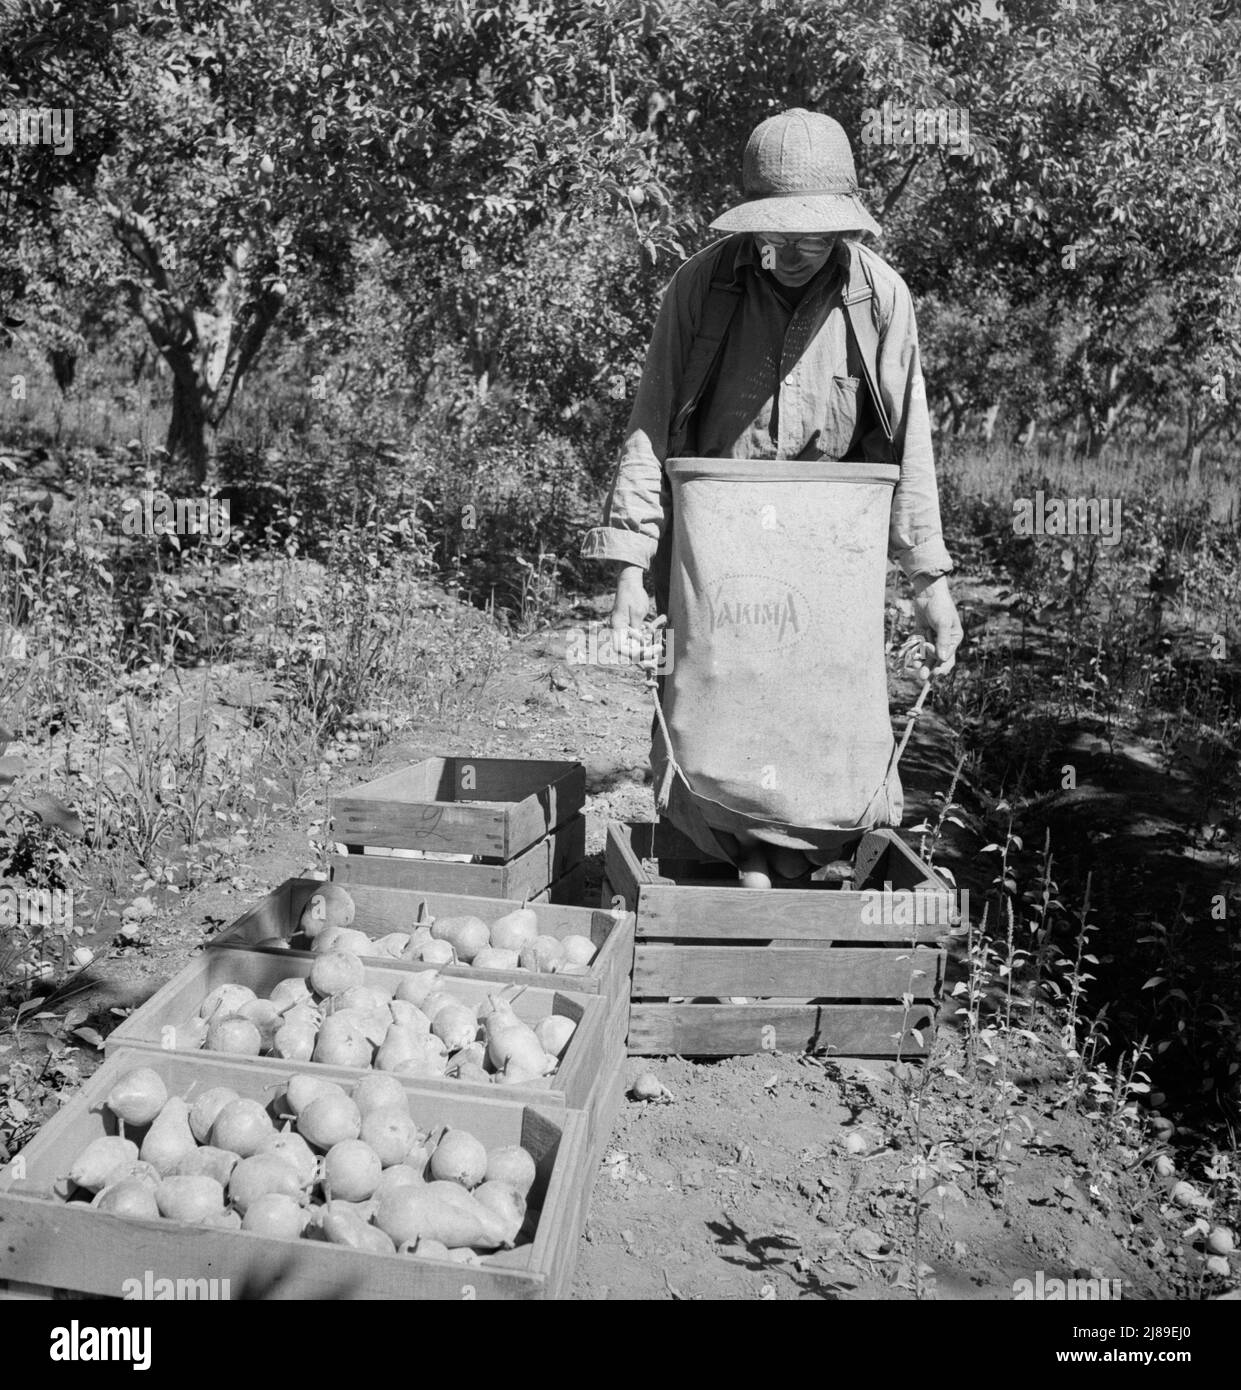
point(858, 297)
point(723, 297)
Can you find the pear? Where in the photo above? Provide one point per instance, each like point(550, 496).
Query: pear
point(259, 1174)
point(138, 1096)
point(515, 929)
point(208, 1162)
point(329, 906)
point(266, 1018)
point(436, 1000)
point(424, 1065)
point(507, 1205)
point(493, 958)
point(367, 998)
point(398, 1045)
point(191, 1199)
point(467, 935)
point(474, 1053)
point(336, 971)
point(459, 1158)
point(578, 950)
point(223, 1221)
point(351, 1170)
point(415, 987)
point(378, 1092)
point(342, 1227)
point(342, 939)
point(169, 1137)
point(225, 999)
point(513, 1166)
point(390, 1131)
point(303, 1088)
point(553, 1033)
point(242, 1126)
point(341, 1043)
point(425, 1212)
point(418, 938)
point(295, 1042)
point(544, 953)
point(303, 1015)
point(329, 1119)
point(290, 991)
point(510, 1039)
point(101, 1162)
point(394, 944)
point(206, 1108)
point(473, 1072)
point(129, 1198)
point(275, 1214)
point(232, 1033)
point(409, 1016)
point(373, 1024)
point(398, 1175)
point(138, 1171)
point(455, 1026)
point(296, 1152)
point(437, 953)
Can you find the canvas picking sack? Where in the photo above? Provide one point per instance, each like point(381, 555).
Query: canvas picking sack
point(775, 698)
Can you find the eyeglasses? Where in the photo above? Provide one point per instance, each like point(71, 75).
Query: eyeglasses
point(807, 245)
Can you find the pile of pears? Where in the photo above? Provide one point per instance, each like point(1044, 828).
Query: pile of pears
point(351, 1168)
point(511, 942)
point(418, 1028)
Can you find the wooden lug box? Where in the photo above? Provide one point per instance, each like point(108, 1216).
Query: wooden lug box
point(485, 827)
point(52, 1243)
point(850, 971)
point(577, 1084)
point(271, 925)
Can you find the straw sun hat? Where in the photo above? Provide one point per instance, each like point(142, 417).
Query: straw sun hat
point(798, 177)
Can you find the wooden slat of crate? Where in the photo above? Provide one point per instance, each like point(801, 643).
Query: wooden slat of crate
point(771, 971)
point(384, 910)
point(528, 874)
point(177, 1002)
point(671, 910)
point(49, 1242)
point(726, 1030)
point(422, 806)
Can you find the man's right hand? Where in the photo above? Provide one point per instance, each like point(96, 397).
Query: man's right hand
point(629, 612)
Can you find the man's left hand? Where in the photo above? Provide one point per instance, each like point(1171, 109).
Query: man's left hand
point(936, 617)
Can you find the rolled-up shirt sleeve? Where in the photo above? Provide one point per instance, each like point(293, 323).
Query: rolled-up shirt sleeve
point(637, 505)
point(915, 536)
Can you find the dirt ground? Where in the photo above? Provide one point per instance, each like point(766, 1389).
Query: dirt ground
point(772, 1177)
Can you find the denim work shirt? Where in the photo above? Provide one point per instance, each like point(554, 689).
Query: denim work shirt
point(788, 386)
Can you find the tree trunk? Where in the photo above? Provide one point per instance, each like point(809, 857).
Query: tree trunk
point(191, 435)
point(989, 417)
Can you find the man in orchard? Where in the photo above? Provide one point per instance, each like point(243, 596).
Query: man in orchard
point(787, 342)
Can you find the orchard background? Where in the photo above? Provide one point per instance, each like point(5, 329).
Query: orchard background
point(380, 275)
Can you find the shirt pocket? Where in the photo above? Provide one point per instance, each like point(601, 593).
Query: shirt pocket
point(840, 417)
